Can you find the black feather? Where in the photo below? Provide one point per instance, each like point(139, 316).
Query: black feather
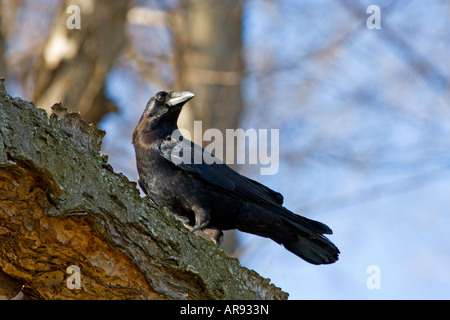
point(212, 196)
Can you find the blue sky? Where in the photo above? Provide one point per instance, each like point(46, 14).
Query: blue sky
point(378, 131)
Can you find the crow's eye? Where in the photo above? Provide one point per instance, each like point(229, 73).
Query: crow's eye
point(160, 98)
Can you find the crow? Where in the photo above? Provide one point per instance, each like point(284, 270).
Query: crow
point(214, 197)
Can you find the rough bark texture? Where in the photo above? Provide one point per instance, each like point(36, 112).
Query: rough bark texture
point(61, 204)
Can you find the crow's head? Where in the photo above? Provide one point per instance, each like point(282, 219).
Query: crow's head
point(161, 114)
point(167, 105)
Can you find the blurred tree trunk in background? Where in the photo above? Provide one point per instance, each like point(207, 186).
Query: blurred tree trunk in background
point(7, 26)
point(208, 62)
point(75, 62)
point(2, 54)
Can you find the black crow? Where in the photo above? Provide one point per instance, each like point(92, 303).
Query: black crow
point(214, 197)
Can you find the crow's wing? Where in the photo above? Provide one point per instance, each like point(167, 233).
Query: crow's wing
point(190, 157)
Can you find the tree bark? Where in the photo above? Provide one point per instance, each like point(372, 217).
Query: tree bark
point(62, 205)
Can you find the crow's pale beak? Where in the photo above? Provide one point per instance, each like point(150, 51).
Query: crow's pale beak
point(177, 98)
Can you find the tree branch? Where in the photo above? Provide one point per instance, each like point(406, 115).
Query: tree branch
point(61, 205)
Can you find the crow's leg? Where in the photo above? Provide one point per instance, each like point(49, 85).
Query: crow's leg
point(215, 234)
point(202, 218)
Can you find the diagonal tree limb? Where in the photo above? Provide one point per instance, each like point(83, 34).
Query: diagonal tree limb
point(62, 205)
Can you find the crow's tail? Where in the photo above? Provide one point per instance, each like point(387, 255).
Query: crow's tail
point(304, 238)
point(314, 249)
point(301, 236)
